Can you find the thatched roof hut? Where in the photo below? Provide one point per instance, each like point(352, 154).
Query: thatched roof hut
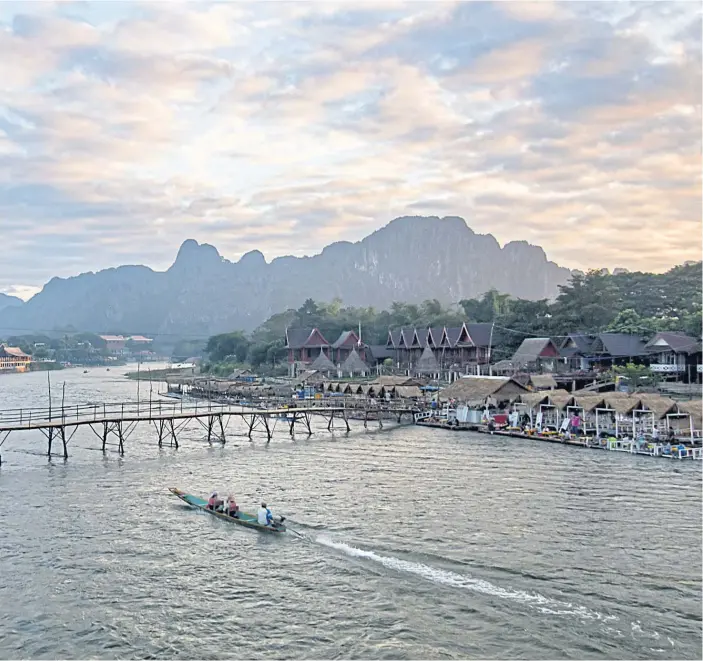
point(427, 362)
point(693, 408)
point(354, 365)
point(532, 400)
point(589, 402)
point(560, 399)
point(322, 364)
point(621, 403)
point(659, 405)
point(478, 390)
point(407, 392)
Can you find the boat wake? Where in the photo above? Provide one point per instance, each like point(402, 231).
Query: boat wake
point(445, 577)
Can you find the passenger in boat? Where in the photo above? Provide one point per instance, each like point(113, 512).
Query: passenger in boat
point(232, 507)
point(264, 517)
point(214, 503)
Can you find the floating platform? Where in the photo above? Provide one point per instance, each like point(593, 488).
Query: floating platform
point(678, 451)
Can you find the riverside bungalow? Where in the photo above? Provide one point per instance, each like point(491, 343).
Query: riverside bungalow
point(675, 355)
point(581, 351)
point(459, 348)
point(536, 354)
point(13, 359)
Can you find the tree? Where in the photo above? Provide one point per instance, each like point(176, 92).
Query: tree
point(635, 375)
point(627, 321)
point(233, 345)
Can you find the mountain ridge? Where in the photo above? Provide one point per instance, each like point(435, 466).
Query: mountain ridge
point(410, 259)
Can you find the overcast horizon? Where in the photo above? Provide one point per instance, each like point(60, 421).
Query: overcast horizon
point(127, 128)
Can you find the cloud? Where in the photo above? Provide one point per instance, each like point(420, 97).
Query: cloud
point(129, 127)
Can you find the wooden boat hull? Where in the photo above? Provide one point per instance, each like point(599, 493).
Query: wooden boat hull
point(244, 519)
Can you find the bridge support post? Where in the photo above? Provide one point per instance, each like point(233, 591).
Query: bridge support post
point(160, 430)
point(120, 437)
point(250, 424)
point(62, 431)
point(366, 419)
point(292, 423)
point(330, 424)
point(50, 436)
point(223, 439)
point(210, 422)
point(174, 440)
point(307, 424)
point(346, 421)
point(105, 432)
point(269, 434)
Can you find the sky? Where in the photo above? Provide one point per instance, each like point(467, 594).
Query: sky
point(126, 128)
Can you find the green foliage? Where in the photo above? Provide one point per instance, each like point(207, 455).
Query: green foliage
point(232, 346)
point(636, 375)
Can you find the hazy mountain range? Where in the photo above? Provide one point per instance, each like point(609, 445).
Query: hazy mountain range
point(410, 259)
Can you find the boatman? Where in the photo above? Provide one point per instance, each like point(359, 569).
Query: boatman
point(265, 518)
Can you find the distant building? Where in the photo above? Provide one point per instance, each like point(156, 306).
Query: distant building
point(114, 343)
point(140, 340)
point(13, 359)
point(308, 345)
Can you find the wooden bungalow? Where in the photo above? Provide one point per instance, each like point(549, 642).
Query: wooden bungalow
point(536, 354)
point(304, 346)
point(457, 348)
point(675, 356)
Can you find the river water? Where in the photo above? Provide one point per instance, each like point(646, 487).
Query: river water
point(414, 543)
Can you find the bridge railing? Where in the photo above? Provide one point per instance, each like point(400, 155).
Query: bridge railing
point(145, 410)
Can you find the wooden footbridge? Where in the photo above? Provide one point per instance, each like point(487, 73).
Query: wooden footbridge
point(116, 421)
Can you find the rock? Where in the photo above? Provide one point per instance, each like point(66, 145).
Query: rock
point(410, 259)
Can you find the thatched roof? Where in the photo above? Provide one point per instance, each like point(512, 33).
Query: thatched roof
point(406, 392)
point(532, 400)
point(658, 404)
point(474, 391)
point(354, 364)
point(543, 381)
point(588, 402)
point(560, 398)
point(695, 409)
point(393, 381)
point(621, 403)
point(427, 362)
point(322, 364)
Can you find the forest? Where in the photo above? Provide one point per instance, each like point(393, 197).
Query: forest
point(630, 302)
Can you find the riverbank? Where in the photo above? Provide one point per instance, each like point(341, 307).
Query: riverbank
point(161, 374)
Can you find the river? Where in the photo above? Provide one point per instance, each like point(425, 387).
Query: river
point(414, 543)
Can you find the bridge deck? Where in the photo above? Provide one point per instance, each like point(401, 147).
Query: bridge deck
point(88, 414)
